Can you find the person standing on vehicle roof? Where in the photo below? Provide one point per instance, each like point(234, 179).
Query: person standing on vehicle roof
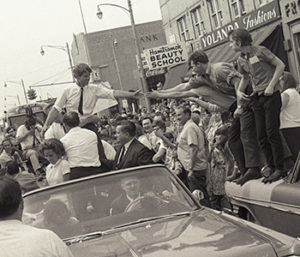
point(262, 69)
point(82, 98)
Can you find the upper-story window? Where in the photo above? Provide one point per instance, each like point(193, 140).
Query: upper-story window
point(183, 29)
point(237, 8)
point(262, 2)
point(198, 22)
point(215, 13)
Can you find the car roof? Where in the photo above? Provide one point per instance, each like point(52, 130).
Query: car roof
point(104, 174)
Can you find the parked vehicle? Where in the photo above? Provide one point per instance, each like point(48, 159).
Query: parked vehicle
point(164, 220)
point(275, 205)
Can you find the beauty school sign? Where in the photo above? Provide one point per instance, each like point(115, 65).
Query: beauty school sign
point(165, 56)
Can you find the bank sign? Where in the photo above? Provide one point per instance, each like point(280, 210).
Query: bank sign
point(165, 56)
point(253, 20)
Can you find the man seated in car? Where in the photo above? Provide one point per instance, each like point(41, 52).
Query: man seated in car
point(131, 187)
point(151, 197)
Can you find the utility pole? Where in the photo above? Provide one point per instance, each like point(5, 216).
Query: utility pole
point(26, 99)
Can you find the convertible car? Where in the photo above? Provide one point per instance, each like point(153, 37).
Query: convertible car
point(275, 205)
point(145, 211)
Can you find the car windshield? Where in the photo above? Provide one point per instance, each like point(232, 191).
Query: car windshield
point(107, 202)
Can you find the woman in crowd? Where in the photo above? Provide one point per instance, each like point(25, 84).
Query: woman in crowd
point(58, 170)
point(290, 113)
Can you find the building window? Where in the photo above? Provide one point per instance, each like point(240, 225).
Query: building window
point(237, 8)
point(183, 30)
point(198, 22)
point(262, 2)
point(215, 13)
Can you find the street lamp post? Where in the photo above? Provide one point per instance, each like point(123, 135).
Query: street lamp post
point(63, 48)
point(18, 83)
point(136, 41)
point(114, 44)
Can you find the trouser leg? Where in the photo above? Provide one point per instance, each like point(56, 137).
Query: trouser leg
point(235, 145)
point(197, 180)
point(249, 139)
point(272, 106)
point(292, 137)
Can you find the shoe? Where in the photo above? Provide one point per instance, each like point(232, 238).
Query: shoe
point(252, 173)
point(276, 175)
point(266, 171)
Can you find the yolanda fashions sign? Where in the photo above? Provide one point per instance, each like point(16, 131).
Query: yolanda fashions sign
point(165, 56)
point(253, 20)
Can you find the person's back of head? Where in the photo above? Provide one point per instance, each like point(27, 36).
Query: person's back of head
point(128, 127)
point(12, 168)
point(71, 119)
point(10, 199)
point(287, 81)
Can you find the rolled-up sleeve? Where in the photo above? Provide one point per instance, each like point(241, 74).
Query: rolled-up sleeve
point(103, 92)
point(61, 101)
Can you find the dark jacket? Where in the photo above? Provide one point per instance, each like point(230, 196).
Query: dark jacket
point(136, 155)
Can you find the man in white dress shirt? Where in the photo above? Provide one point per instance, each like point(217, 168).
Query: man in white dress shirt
point(18, 239)
point(81, 147)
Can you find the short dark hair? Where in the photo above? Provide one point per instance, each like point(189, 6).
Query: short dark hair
point(198, 56)
point(186, 110)
point(55, 145)
point(147, 118)
point(80, 69)
point(241, 35)
point(160, 124)
point(128, 127)
point(12, 168)
point(71, 119)
point(10, 196)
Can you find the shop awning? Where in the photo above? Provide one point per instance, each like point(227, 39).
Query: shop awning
point(220, 53)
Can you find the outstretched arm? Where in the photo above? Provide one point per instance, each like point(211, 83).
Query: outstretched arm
point(50, 118)
point(125, 94)
point(176, 94)
point(181, 87)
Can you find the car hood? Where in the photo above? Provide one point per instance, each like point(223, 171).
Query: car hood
point(203, 232)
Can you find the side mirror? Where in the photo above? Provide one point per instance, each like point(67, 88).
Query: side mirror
point(198, 194)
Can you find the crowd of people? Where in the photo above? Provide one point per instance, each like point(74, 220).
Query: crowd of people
point(227, 123)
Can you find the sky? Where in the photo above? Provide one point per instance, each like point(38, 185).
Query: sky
point(26, 25)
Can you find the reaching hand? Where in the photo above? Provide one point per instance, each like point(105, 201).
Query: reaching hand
point(269, 91)
point(242, 96)
point(238, 112)
point(153, 94)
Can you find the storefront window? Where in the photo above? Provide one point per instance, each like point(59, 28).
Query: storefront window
point(237, 8)
point(215, 13)
point(183, 30)
point(198, 22)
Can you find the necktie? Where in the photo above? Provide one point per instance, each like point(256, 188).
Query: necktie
point(121, 154)
point(81, 102)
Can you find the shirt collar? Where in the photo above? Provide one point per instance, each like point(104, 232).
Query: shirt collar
point(74, 129)
point(128, 144)
point(131, 199)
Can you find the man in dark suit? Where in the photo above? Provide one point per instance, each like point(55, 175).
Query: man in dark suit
point(132, 153)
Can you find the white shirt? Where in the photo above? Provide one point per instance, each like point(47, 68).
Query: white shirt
point(28, 141)
point(91, 93)
point(191, 135)
point(55, 172)
point(56, 130)
point(290, 114)
point(109, 151)
point(20, 240)
point(81, 146)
